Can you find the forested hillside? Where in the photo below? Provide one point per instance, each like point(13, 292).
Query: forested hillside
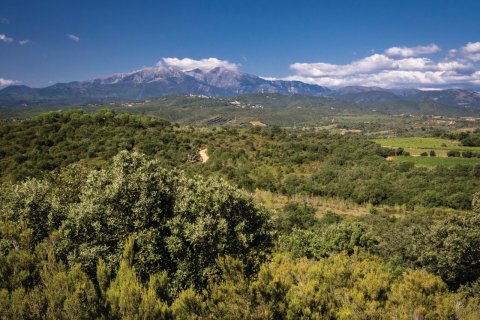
point(114, 216)
point(282, 161)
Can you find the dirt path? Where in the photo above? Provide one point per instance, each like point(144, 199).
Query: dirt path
point(204, 155)
point(257, 123)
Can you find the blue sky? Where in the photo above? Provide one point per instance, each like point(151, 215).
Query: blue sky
point(331, 43)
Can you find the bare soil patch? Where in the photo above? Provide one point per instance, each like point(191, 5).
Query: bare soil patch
point(203, 155)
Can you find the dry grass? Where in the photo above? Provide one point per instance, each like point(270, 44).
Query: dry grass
point(338, 206)
point(323, 205)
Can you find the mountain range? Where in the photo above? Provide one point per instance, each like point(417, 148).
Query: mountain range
point(154, 82)
point(162, 80)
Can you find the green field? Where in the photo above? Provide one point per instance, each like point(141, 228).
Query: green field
point(431, 162)
point(417, 145)
point(424, 143)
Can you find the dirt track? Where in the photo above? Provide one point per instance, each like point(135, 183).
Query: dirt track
point(204, 155)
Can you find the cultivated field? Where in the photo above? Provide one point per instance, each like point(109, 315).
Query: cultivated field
point(417, 145)
point(431, 162)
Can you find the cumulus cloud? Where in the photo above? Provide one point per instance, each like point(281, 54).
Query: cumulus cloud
point(6, 82)
point(397, 68)
point(412, 51)
point(24, 42)
point(471, 51)
point(6, 39)
point(203, 64)
point(320, 69)
point(73, 37)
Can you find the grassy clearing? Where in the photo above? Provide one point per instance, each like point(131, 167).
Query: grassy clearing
point(431, 162)
point(417, 145)
point(323, 205)
point(345, 208)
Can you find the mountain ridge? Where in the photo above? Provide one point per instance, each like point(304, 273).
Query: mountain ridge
point(163, 80)
point(159, 81)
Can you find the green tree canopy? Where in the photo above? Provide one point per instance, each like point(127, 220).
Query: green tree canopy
point(179, 224)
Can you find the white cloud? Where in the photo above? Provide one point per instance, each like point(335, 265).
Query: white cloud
point(400, 70)
point(471, 51)
point(390, 79)
point(203, 64)
point(24, 42)
point(455, 65)
point(413, 64)
point(73, 37)
point(472, 47)
point(6, 82)
point(6, 39)
point(4, 20)
point(412, 51)
point(369, 64)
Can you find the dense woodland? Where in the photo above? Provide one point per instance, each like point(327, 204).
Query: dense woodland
point(283, 161)
point(114, 216)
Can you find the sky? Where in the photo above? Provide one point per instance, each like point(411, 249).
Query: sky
point(422, 44)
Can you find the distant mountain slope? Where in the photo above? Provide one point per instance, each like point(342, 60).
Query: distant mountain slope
point(369, 96)
point(278, 109)
point(236, 83)
point(453, 97)
point(270, 109)
point(420, 108)
point(297, 104)
point(221, 82)
point(154, 82)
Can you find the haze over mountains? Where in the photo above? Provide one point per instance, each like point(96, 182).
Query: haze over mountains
point(165, 80)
